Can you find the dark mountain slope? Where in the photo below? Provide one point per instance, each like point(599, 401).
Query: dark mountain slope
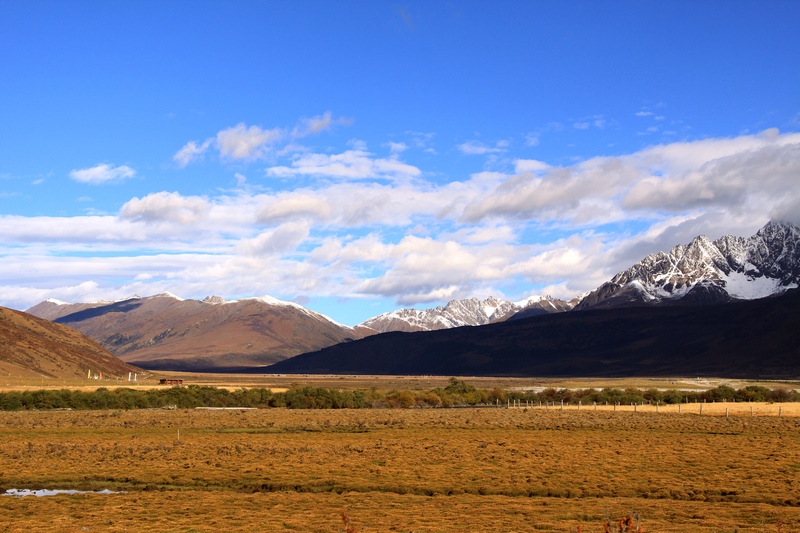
point(752, 339)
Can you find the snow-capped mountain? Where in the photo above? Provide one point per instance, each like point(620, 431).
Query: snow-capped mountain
point(470, 312)
point(165, 331)
point(705, 271)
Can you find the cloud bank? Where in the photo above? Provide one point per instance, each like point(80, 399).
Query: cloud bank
point(364, 225)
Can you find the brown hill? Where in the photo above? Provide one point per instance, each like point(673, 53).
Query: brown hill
point(166, 332)
point(33, 347)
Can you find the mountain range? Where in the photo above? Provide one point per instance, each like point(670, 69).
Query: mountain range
point(167, 332)
point(471, 312)
point(756, 339)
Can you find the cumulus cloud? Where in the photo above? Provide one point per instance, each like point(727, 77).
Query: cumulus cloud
point(103, 173)
point(284, 238)
point(731, 173)
point(243, 142)
point(166, 207)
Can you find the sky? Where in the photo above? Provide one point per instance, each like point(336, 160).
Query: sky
point(356, 157)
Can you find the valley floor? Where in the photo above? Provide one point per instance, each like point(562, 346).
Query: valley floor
point(434, 470)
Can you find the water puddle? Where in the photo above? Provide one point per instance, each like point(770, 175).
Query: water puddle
point(19, 493)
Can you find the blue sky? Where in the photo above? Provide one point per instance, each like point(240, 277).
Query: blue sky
point(356, 157)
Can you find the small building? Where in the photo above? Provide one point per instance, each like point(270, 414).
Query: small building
point(170, 381)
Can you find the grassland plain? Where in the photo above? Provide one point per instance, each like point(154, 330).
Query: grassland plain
point(433, 470)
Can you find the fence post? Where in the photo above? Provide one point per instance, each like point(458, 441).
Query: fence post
point(780, 411)
point(726, 412)
point(679, 408)
point(701, 408)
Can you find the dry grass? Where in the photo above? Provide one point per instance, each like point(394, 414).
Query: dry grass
point(732, 409)
point(148, 380)
point(400, 470)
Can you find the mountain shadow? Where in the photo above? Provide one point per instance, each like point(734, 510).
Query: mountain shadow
point(751, 339)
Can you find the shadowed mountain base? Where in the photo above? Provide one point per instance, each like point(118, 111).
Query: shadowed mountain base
point(754, 339)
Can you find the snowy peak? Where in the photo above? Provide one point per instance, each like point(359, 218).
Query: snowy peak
point(705, 271)
point(469, 312)
point(775, 251)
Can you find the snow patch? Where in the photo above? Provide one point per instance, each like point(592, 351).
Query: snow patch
point(56, 302)
point(167, 294)
point(739, 285)
point(269, 300)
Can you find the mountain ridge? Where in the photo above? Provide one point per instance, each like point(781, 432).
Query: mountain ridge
point(744, 339)
point(167, 332)
point(466, 312)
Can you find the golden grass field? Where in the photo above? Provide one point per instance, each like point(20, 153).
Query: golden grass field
point(432, 470)
point(280, 382)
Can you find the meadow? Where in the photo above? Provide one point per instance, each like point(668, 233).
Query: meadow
point(431, 470)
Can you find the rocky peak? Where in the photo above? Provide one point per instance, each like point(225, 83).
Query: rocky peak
point(728, 268)
point(467, 312)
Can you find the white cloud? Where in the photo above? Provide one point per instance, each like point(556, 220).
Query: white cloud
point(377, 228)
point(396, 148)
point(103, 173)
point(479, 148)
point(284, 238)
point(740, 173)
point(243, 142)
point(351, 164)
point(318, 124)
point(191, 151)
point(532, 139)
point(250, 143)
point(530, 165)
point(166, 207)
point(581, 125)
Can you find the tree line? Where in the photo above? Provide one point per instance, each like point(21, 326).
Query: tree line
point(457, 393)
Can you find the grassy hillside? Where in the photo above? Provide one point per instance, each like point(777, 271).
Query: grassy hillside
point(34, 347)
